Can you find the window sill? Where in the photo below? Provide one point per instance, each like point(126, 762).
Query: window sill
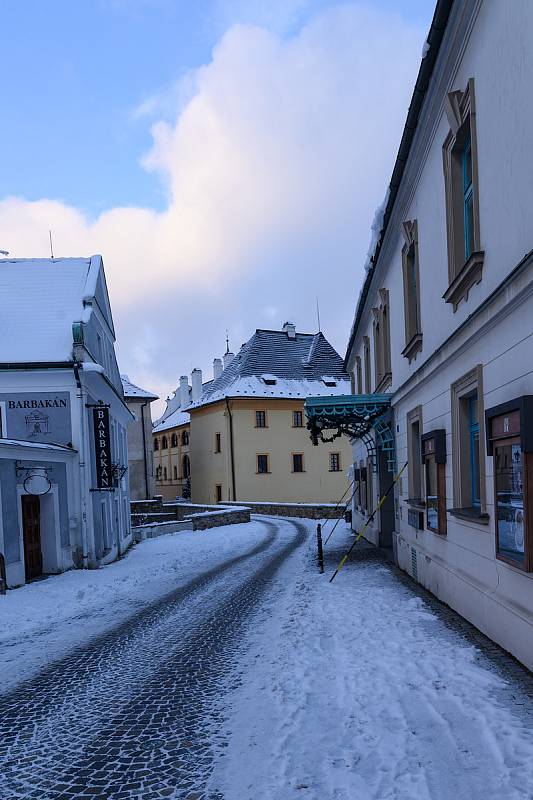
point(298, 472)
point(335, 470)
point(263, 473)
point(413, 347)
point(467, 277)
point(470, 515)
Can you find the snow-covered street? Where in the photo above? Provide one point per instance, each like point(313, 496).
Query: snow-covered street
point(232, 670)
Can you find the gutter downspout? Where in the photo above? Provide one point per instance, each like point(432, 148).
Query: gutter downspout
point(232, 456)
point(81, 404)
point(143, 406)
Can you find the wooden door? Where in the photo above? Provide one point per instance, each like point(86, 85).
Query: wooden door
point(33, 558)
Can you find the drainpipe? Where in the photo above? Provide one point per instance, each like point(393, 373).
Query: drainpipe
point(83, 481)
point(143, 406)
point(232, 457)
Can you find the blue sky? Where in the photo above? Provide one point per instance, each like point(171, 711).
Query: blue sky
point(84, 83)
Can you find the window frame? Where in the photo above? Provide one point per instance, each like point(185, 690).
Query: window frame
point(267, 470)
point(367, 365)
point(218, 492)
point(382, 348)
point(358, 375)
point(434, 448)
point(164, 443)
point(174, 442)
point(411, 291)
point(465, 256)
point(339, 463)
point(156, 444)
point(415, 478)
point(218, 442)
point(463, 456)
point(297, 471)
point(264, 413)
point(301, 417)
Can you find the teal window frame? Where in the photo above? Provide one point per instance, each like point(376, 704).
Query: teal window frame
point(473, 430)
point(468, 197)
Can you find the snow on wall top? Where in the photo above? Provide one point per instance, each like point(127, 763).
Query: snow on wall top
point(40, 299)
point(131, 390)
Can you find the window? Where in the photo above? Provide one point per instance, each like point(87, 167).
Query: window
point(158, 473)
point(414, 455)
point(164, 473)
point(297, 419)
point(465, 257)
point(185, 466)
point(260, 419)
point(262, 464)
point(334, 462)
point(510, 442)
point(218, 493)
point(164, 443)
point(217, 443)
point(185, 438)
point(382, 356)
point(468, 447)
point(411, 291)
point(363, 486)
point(174, 440)
point(358, 376)
point(156, 444)
point(434, 455)
point(366, 356)
point(297, 462)
point(175, 473)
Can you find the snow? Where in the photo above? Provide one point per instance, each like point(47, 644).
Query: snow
point(41, 298)
point(355, 690)
point(92, 366)
point(173, 420)
point(254, 386)
point(43, 620)
point(425, 49)
point(132, 390)
point(35, 445)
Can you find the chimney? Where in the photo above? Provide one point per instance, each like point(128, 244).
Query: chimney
point(196, 380)
point(217, 368)
point(228, 358)
point(184, 392)
point(290, 329)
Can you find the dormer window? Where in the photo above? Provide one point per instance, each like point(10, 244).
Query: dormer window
point(270, 380)
point(329, 381)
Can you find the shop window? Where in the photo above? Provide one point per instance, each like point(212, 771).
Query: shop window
point(411, 291)
point(297, 419)
point(218, 493)
point(510, 442)
point(465, 257)
point(334, 462)
point(218, 447)
point(262, 464)
point(414, 455)
point(174, 440)
point(156, 444)
point(434, 457)
point(468, 447)
point(260, 419)
point(297, 462)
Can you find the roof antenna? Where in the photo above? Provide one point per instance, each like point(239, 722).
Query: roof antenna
point(318, 314)
point(51, 246)
point(227, 342)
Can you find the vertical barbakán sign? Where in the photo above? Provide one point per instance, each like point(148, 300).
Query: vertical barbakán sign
point(102, 444)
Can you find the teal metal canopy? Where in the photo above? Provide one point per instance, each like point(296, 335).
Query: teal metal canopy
point(355, 416)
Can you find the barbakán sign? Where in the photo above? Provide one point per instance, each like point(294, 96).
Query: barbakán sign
point(102, 448)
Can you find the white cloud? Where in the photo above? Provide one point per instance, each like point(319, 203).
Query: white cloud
point(273, 167)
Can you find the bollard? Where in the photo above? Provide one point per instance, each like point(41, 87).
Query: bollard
point(320, 550)
point(3, 581)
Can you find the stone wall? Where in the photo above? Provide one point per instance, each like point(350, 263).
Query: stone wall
point(308, 510)
point(157, 514)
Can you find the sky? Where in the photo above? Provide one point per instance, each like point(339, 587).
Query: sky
point(225, 157)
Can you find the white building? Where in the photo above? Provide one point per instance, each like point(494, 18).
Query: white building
point(443, 332)
point(64, 496)
point(140, 456)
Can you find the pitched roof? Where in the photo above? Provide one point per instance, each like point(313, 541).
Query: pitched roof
point(132, 391)
point(41, 298)
point(274, 364)
point(173, 420)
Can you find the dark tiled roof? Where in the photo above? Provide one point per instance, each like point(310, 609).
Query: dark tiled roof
point(306, 357)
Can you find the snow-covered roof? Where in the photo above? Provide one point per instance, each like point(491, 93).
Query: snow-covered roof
point(132, 391)
point(273, 364)
point(178, 417)
point(35, 445)
point(41, 298)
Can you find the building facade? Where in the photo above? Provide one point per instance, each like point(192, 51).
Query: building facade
point(248, 437)
point(443, 331)
point(140, 455)
point(64, 495)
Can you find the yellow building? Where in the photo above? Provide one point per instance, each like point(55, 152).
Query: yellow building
point(248, 435)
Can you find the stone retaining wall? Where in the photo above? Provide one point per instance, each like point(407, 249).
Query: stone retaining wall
point(157, 516)
point(309, 510)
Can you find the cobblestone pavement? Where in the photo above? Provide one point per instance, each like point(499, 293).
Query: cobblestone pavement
point(131, 715)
